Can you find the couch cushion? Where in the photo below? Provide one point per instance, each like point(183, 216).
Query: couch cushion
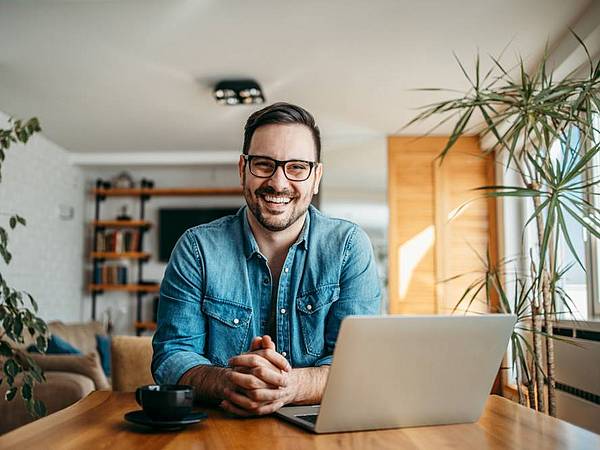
point(81, 335)
point(56, 346)
point(103, 347)
point(131, 359)
point(88, 365)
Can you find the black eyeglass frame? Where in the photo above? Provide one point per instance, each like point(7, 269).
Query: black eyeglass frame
point(249, 158)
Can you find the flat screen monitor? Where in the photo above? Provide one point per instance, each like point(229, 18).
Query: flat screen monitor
point(172, 223)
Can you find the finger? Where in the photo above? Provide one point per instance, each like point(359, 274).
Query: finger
point(248, 381)
point(230, 408)
point(259, 366)
point(263, 410)
point(275, 358)
point(254, 359)
point(242, 369)
point(256, 343)
point(267, 342)
point(241, 401)
point(269, 408)
point(270, 375)
point(264, 395)
point(259, 358)
point(246, 405)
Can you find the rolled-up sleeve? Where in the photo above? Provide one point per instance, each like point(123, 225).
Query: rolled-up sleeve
point(179, 340)
point(360, 291)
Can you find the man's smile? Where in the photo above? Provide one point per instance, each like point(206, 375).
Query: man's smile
point(277, 199)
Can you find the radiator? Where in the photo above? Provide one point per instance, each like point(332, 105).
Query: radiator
point(577, 360)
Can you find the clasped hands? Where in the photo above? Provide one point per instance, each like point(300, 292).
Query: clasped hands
point(258, 382)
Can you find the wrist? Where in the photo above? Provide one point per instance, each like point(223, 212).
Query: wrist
point(223, 382)
point(294, 383)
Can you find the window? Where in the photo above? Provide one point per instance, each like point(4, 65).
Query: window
point(580, 283)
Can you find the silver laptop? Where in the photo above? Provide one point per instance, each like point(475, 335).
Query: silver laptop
point(407, 371)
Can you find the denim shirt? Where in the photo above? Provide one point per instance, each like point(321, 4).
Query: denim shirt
point(216, 294)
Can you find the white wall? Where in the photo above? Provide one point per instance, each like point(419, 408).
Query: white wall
point(37, 181)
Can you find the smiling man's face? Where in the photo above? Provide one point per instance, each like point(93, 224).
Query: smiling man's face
point(277, 202)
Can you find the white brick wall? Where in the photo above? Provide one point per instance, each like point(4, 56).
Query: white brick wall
point(47, 262)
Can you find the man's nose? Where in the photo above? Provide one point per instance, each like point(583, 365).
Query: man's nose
point(278, 180)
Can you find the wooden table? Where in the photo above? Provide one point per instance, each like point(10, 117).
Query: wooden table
point(97, 422)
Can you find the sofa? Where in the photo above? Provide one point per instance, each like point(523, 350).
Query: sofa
point(131, 360)
point(69, 377)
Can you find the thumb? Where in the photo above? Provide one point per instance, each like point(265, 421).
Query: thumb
point(267, 342)
point(256, 343)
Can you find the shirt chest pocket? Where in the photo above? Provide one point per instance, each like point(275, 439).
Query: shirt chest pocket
point(313, 309)
point(228, 324)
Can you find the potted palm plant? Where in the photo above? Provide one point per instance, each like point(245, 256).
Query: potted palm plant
point(546, 131)
point(17, 308)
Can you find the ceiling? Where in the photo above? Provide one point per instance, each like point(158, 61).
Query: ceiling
point(136, 76)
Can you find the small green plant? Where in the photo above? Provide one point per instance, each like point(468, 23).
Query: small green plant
point(19, 371)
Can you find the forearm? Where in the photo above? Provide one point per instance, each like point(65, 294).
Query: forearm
point(310, 382)
point(208, 382)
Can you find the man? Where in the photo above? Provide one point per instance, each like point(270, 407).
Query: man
point(251, 304)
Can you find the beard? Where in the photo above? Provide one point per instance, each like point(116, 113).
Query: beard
point(274, 221)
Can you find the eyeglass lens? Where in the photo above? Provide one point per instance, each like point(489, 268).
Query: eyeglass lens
point(294, 170)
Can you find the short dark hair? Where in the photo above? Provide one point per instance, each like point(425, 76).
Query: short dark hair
point(282, 113)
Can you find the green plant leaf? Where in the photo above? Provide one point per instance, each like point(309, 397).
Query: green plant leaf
point(39, 408)
point(5, 254)
point(11, 368)
point(41, 344)
point(33, 302)
point(10, 394)
point(18, 325)
point(565, 234)
point(26, 391)
point(5, 349)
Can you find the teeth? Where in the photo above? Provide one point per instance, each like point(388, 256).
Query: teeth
point(273, 199)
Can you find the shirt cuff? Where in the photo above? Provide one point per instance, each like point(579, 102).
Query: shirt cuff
point(173, 368)
point(325, 361)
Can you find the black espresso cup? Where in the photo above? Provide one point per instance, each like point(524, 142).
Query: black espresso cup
point(165, 401)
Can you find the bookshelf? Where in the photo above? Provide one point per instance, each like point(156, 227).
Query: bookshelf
point(123, 240)
point(125, 287)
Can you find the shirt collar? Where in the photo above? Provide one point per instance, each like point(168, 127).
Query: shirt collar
point(250, 245)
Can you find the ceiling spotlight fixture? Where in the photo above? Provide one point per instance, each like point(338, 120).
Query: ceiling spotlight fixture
point(235, 92)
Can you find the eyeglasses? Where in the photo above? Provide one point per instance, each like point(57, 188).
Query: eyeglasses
point(265, 167)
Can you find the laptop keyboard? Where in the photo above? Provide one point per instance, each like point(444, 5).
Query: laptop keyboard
point(312, 418)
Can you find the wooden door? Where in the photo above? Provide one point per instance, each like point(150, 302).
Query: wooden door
point(439, 226)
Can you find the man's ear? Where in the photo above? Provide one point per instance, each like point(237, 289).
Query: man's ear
point(318, 175)
point(241, 167)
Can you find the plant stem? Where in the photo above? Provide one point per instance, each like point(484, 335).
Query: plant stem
point(550, 363)
point(537, 354)
point(547, 312)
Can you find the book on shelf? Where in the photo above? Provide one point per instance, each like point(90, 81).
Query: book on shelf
point(118, 241)
point(111, 274)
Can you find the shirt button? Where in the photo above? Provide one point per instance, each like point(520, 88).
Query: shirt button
point(236, 321)
point(286, 270)
point(309, 307)
point(282, 310)
point(266, 281)
point(284, 354)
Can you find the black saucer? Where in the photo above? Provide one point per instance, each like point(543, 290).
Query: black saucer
point(140, 418)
